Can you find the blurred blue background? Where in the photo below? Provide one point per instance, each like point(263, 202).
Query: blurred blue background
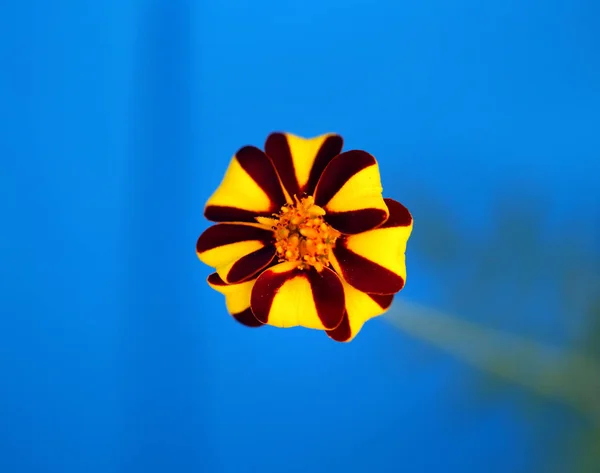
point(118, 121)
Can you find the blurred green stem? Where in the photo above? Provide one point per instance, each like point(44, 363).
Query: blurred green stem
point(563, 376)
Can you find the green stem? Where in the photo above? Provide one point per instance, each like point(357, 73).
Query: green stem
point(564, 376)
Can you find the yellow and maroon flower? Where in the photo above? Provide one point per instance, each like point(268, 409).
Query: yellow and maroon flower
point(304, 237)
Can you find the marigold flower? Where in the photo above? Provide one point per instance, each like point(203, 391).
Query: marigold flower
point(304, 237)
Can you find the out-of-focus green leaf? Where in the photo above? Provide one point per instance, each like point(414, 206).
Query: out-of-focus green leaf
point(520, 274)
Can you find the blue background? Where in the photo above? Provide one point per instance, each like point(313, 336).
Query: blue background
point(118, 120)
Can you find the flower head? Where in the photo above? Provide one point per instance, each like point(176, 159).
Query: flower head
point(304, 237)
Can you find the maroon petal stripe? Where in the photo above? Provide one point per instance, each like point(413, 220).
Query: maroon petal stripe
point(260, 168)
point(247, 318)
point(399, 215)
point(364, 274)
point(216, 280)
point(327, 293)
point(383, 300)
point(219, 213)
point(356, 221)
point(342, 332)
point(247, 266)
point(330, 148)
point(278, 149)
point(227, 233)
point(339, 171)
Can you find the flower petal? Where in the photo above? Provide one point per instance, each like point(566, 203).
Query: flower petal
point(374, 261)
point(249, 189)
point(285, 296)
point(360, 307)
point(237, 250)
point(350, 192)
point(250, 265)
point(301, 161)
point(237, 299)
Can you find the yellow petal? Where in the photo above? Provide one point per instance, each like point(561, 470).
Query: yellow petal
point(249, 189)
point(285, 296)
point(237, 250)
point(360, 307)
point(363, 190)
point(224, 256)
point(237, 299)
point(350, 192)
point(374, 261)
point(300, 161)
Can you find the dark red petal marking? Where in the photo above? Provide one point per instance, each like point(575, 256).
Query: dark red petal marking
point(247, 318)
point(356, 221)
point(331, 147)
point(327, 293)
point(264, 291)
point(339, 171)
point(219, 213)
point(342, 332)
point(278, 149)
point(227, 233)
point(260, 168)
point(216, 280)
point(364, 274)
point(383, 300)
point(247, 266)
point(399, 215)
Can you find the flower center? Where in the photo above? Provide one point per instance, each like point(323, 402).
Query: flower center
point(301, 234)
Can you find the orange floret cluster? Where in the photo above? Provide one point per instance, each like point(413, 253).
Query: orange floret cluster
point(302, 236)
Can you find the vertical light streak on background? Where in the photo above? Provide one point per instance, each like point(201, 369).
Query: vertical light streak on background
point(162, 382)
